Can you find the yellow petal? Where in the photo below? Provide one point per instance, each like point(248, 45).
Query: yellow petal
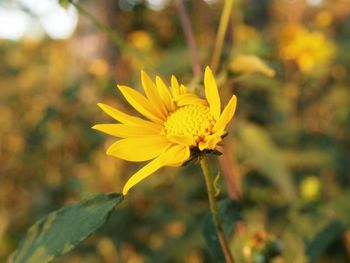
point(182, 139)
point(127, 119)
point(165, 94)
point(175, 88)
point(210, 142)
point(212, 93)
point(180, 154)
point(143, 173)
point(173, 156)
point(226, 115)
point(123, 130)
point(153, 94)
point(189, 98)
point(183, 89)
point(140, 103)
point(138, 149)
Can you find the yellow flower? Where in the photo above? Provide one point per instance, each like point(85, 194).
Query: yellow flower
point(310, 188)
point(179, 123)
point(140, 39)
point(307, 49)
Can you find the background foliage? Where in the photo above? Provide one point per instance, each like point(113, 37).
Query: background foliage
point(288, 147)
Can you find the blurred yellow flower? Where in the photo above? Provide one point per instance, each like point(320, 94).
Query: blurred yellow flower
point(178, 123)
point(98, 67)
point(324, 19)
point(140, 39)
point(306, 48)
point(310, 188)
point(244, 33)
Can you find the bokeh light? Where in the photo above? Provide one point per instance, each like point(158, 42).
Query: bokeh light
point(44, 15)
point(13, 23)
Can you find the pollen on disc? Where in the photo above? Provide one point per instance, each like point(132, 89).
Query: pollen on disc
point(190, 120)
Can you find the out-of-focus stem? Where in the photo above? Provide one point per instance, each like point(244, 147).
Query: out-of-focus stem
point(187, 28)
point(214, 209)
point(231, 173)
point(112, 35)
point(346, 240)
point(225, 16)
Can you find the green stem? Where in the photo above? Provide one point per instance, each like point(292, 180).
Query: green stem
point(225, 16)
point(112, 35)
point(214, 209)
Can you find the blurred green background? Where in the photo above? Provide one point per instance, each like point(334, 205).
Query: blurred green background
point(287, 152)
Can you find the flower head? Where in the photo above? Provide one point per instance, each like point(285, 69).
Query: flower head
point(177, 124)
point(308, 49)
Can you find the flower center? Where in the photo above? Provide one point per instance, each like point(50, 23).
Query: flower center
point(190, 120)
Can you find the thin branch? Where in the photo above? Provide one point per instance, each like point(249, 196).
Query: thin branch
point(225, 16)
point(113, 36)
point(187, 28)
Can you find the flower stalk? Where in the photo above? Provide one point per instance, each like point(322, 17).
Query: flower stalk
point(110, 33)
point(214, 209)
point(225, 16)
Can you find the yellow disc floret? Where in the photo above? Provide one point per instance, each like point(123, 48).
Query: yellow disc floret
point(190, 120)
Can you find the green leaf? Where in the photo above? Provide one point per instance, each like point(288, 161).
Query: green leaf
point(64, 3)
point(258, 147)
point(323, 239)
point(62, 230)
point(339, 207)
point(308, 159)
point(314, 226)
point(230, 213)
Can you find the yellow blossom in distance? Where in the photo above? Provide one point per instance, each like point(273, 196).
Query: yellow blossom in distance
point(310, 188)
point(140, 39)
point(307, 48)
point(175, 123)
